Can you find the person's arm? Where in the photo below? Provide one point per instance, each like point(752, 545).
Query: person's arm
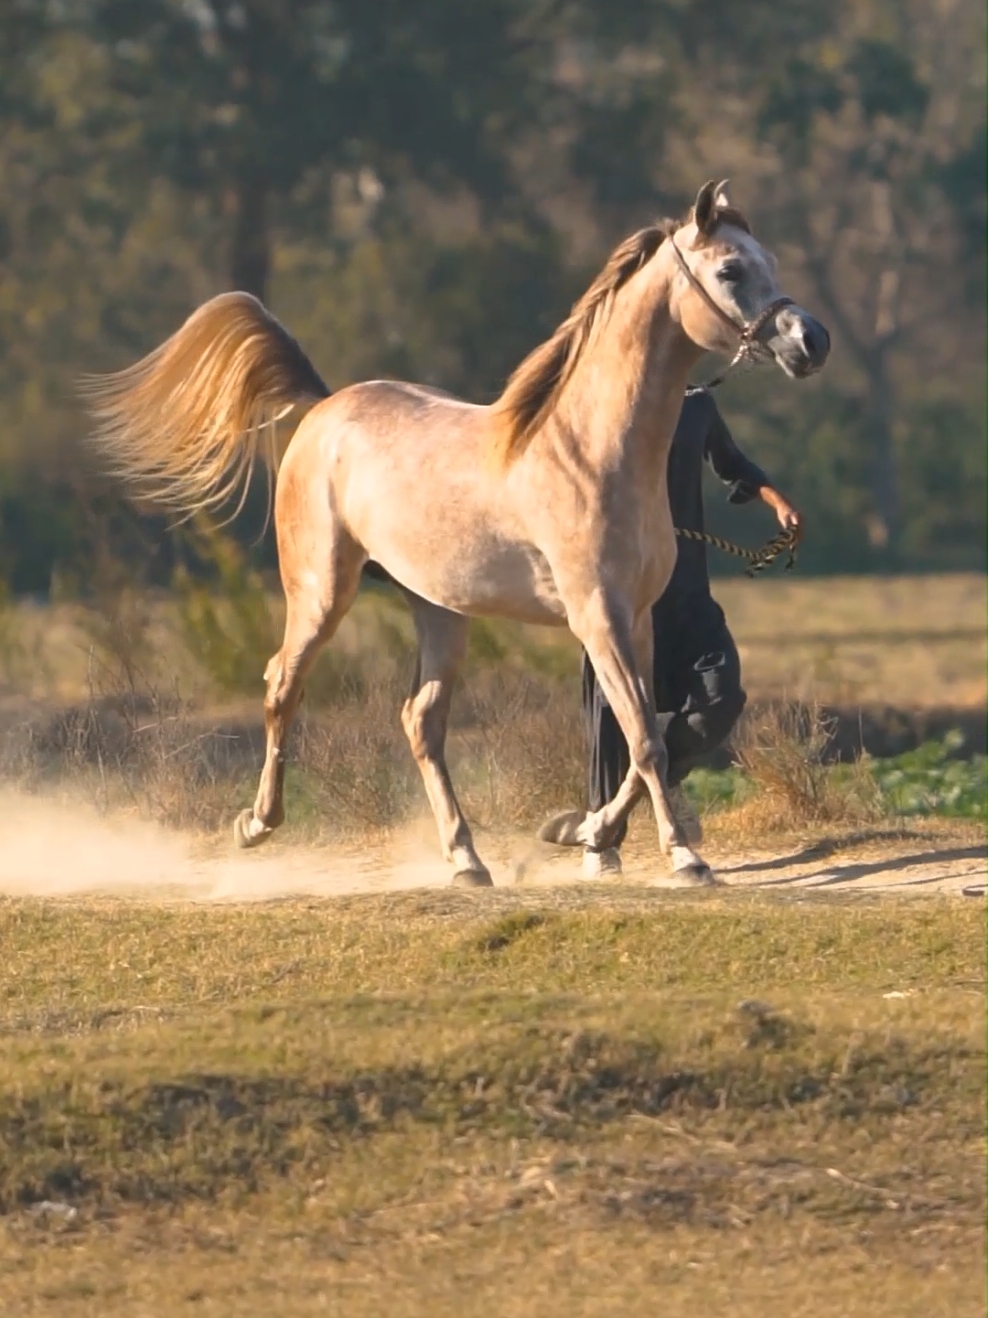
point(746, 478)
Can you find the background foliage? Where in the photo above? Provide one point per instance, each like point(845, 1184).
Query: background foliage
point(420, 188)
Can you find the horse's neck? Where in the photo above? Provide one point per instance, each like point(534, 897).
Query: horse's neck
point(623, 401)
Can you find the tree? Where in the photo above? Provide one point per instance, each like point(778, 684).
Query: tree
point(239, 100)
point(866, 142)
point(421, 188)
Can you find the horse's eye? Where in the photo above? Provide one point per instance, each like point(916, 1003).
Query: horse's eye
point(732, 273)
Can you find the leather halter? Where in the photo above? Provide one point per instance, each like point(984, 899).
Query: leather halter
point(748, 330)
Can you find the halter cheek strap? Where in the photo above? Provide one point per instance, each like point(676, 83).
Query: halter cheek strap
point(748, 330)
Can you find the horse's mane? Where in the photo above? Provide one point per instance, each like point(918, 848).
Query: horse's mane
point(535, 385)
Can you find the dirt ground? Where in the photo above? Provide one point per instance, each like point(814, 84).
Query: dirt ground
point(60, 848)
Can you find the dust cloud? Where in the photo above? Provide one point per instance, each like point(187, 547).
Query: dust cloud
point(58, 847)
point(63, 847)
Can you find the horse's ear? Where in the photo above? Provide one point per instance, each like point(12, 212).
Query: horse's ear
point(721, 201)
point(705, 207)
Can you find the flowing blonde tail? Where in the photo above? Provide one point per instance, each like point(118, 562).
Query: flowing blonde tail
point(184, 426)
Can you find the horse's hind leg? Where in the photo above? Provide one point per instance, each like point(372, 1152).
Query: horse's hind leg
point(317, 603)
point(442, 638)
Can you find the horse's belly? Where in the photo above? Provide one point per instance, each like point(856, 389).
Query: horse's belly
point(491, 580)
point(494, 590)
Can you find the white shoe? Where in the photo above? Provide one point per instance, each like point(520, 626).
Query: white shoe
point(686, 816)
point(604, 864)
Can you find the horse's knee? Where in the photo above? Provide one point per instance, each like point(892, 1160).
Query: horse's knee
point(279, 679)
point(272, 669)
point(408, 714)
point(649, 755)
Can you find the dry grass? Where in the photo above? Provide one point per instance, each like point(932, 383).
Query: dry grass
point(516, 749)
point(136, 743)
point(910, 642)
point(516, 752)
point(782, 749)
point(585, 1103)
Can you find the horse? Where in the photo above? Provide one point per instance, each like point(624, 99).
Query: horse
point(547, 506)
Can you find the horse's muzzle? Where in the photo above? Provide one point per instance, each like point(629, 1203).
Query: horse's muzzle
point(801, 344)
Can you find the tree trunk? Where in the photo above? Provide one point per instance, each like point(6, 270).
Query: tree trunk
point(883, 530)
point(250, 247)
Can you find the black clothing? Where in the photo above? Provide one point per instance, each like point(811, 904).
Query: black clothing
point(701, 436)
point(697, 672)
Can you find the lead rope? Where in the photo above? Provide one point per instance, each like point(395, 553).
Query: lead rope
point(784, 542)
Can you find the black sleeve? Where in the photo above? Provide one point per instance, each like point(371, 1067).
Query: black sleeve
point(729, 463)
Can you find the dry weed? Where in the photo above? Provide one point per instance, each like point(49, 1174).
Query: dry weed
point(516, 748)
point(782, 750)
point(353, 771)
point(515, 751)
point(520, 751)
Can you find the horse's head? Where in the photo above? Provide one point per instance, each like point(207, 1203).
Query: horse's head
point(726, 295)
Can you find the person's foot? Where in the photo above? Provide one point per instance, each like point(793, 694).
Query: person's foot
point(604, 864)
point(686, 816)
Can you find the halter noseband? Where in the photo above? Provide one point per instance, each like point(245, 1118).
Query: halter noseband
point(748, 330)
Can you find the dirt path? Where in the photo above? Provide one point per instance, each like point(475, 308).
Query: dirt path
point(55, 849)
point(910, 864)
point(907, 865)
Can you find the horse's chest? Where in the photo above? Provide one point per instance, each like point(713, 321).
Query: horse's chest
point(655, 566)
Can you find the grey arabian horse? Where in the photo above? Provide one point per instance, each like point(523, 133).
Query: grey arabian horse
point(548, 506)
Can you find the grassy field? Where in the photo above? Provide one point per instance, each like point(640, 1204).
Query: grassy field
point(905, 641)
point(911, 642)
point(559, 1101)
point(564, 1103)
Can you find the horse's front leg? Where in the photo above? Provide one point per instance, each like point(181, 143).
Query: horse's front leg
point(617, 648)
point(600, 827)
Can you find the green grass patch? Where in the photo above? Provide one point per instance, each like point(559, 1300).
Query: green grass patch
point(928, 781)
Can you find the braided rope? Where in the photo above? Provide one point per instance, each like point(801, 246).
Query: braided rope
point(784, 542)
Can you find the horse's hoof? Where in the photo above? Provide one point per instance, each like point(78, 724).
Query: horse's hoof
point(604, 864)
point(696, 875)
point(242, 835)
point(473, 879)
point(561, 829)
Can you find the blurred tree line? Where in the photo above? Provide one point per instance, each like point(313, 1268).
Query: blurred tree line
point(419, 188)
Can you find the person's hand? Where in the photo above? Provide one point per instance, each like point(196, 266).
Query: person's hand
point(789, 518)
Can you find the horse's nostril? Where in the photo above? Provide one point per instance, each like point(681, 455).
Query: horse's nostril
point(816, 340)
